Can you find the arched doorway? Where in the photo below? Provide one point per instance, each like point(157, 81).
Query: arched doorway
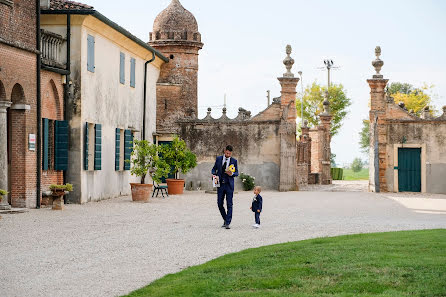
point(16, 139)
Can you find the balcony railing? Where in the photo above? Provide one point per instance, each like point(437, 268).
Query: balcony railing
point(51, 48)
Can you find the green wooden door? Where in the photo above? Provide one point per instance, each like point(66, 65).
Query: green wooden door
point(409, 169)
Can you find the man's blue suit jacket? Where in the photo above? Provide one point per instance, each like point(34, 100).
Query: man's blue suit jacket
point(217, 170)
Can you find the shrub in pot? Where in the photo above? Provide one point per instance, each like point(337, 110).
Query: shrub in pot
point(146, 161)
point(3, 193)
point(57, 192)
point(180, 159)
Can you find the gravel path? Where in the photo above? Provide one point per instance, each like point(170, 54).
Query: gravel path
point(112, 247)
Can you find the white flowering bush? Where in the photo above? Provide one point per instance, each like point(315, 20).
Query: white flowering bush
point(248, 181)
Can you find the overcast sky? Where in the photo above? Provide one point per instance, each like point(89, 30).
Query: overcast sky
point(244, 46)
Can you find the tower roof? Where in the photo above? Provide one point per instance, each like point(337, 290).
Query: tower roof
point(175, 24)
point(175, 18)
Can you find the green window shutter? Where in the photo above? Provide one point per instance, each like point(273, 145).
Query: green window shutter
point(117, 148)
point(132, 72)
point(61, 145)
point(122, 68)
point(128, 147)
point(45, 153)
point(86, 147)
point(97, 146)
point(90, 53)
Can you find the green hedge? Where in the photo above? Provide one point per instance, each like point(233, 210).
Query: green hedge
point(337, 173)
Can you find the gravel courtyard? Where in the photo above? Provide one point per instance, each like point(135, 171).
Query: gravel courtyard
point(115, 246)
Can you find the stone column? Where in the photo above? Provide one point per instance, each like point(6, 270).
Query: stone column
point(287, 130)
point(4, 152)
point(378, 105)
point(325, 164)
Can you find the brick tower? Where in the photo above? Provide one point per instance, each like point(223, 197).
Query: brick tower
point(175, 34)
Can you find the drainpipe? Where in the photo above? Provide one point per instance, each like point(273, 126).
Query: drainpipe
point(67, 86)
point(39, 108)
point(145, 95)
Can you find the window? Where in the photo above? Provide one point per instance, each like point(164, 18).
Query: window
point(117, 149)
point(132, 72)
point(128, 147)
point(93, 147)
point(122, 68)
point(54, 145)
point(90, 53)
point(60, 145)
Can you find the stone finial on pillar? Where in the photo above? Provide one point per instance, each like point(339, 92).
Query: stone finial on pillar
point(378, 63)
point(426, 113)
point(288, 83)
point(208, 115)
point(326, 105)
point(288, 62)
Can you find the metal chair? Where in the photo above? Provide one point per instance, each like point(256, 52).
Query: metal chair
point(157, 188)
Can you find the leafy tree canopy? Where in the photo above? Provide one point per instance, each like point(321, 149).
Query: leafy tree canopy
point(313, 99)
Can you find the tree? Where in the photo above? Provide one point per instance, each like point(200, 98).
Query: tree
point(364, 137)
point(357, 165)
point(415, 99)
point(313, 99)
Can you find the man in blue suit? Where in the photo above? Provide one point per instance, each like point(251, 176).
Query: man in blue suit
point(222, 169)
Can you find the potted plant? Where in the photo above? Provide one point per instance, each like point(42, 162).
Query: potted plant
point(145, 160)
point(57, 192)
point(248, 181)
point(180, 159)
point(2, 194)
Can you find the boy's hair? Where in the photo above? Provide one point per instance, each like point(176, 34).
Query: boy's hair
point(229, 148)
point(259, 188)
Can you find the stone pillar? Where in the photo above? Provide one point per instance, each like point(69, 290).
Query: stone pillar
point(378, 105)
point(287, 130)
point(325, 161)
point(4, 152)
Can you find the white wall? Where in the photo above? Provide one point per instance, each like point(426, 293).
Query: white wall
point(105, 101)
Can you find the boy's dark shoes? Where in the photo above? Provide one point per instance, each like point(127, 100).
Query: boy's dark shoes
point(224, 225)
point(227, 227)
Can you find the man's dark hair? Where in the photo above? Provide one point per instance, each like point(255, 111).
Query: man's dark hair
point(229, 148)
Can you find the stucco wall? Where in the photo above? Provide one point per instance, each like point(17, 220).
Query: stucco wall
point(256, 147)
point(430, 133)
point(106, 101)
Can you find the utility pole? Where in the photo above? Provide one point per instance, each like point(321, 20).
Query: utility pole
point(329, 65)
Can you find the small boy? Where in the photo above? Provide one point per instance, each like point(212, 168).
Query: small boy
point(256, 206)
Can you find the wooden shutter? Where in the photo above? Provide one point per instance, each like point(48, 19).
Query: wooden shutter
point(97, 147)
point(45, 128)
point(117, 148)
point(90, 53)
point(86, 147)
point(128, 147)
point(132, 72)
point(122, 68)
point(61, 145)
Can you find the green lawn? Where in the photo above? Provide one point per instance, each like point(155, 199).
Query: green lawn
point(409, 263)
point(361, 175)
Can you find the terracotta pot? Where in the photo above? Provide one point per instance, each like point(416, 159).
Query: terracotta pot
point(141, 192)
point(175, 186)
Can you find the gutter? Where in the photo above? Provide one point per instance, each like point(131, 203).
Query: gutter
point(110, 23)
point(39, 108)
point(145, 95)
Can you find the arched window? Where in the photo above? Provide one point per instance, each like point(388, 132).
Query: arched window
point(17, 94)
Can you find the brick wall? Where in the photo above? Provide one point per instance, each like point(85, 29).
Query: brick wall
point(18, 76)
point(52, 108)
point(18, 23)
